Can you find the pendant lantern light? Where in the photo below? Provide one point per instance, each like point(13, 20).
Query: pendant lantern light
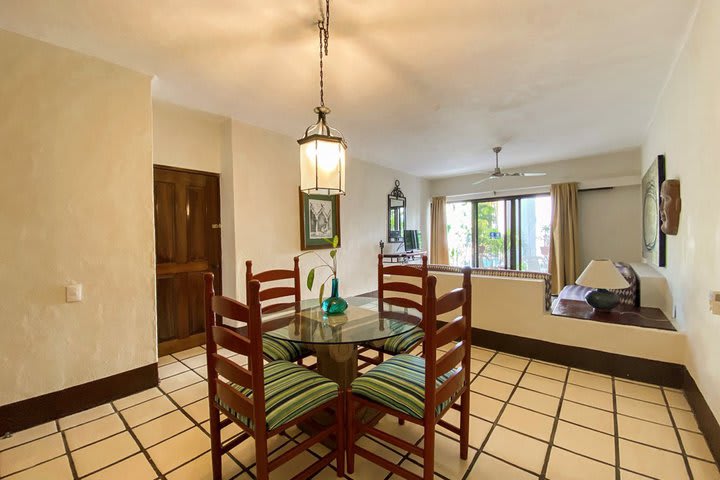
point(322, 148)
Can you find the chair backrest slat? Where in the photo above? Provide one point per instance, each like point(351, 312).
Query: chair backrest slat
point(229, 308)
point(404, 270)
point(234, 399)
point(412, 271)
point(248, 343)
point(273, 275)
point(450, 359)
point(457, 360)
point(403, 302)
point(453, 331)
point(232, 371)
point(232, 341)
point(274, 292)
point(403, 287)
point(450, 301)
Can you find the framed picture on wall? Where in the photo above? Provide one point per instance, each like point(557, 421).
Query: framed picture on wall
point(653, 238)
point(319, 221)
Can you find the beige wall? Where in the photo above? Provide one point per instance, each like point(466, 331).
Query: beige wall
point(617, 168)
point(75, 206)
point(266, 177)
point(196, 140)
point(685, 129)
point(188, 138)
point(610, 224)
point(610, 220)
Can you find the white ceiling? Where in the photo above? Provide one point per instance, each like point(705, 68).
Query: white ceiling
point(424, 87)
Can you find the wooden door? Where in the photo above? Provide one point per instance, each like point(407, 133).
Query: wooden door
point(187, 244)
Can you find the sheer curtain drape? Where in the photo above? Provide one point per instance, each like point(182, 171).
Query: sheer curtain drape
point(438, 232)
point(564, 258)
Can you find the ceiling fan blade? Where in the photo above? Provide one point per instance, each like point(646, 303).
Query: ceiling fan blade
point(532, 174)
point(483, 180)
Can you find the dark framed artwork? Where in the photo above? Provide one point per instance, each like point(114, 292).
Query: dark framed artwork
point(319, 220)
point(653, 238)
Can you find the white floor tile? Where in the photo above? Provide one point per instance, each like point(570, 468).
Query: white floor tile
point(146, 411)
point(541, 384)
point(28, 435)
point(590, 380)
point(179, 449)
point(528, 422)
point(517, 449)
point(135, 468)
point(590, 397)
point(651, 461)
point(90, 432)
point(30, 454)
point(85, 416)
point(491, 388)
point(643, 410)
point(644, 392)
point(566, 465)
point(162, 428)
point(556, 372)
point(487, 467)
point(539, 402)
point(132, 400)
point(590, 417)
point(57, 469)
point(704, 470)
point(695, 445)
point(648, 433)
point(104, 453)
point(586, 442)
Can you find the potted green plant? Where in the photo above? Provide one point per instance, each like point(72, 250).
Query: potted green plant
point(334, 304)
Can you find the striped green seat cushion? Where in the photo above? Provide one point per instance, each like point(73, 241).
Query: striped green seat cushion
point(398, 383)
point(404, 342)
point(278, 349)
point(290, 391)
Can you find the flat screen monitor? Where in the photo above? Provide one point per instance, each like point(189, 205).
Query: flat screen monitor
point(413, 240)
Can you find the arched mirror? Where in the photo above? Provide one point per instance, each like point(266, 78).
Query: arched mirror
point(396, 215)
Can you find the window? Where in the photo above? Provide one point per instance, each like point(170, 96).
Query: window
point(510, 233)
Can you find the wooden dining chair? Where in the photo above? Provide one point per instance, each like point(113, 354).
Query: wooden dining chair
point(387, 294)
point(275, 348)
point(420, 389)
point(263, 400)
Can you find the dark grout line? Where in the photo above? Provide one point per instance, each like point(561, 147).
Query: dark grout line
point(553, 431)
point(140, 445)
point(495, 423)
point(67, 451)
point(616, 435)
point(679, 437)
point(35, 465)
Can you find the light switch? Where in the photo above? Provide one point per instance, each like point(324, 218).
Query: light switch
point(73, 293)
point(715, 303)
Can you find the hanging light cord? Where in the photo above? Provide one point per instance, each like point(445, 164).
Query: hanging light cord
point(324, 34)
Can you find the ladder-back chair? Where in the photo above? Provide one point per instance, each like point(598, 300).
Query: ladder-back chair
point(387, 294)
point(263, 400)
point(420, 390)
point(276, 348)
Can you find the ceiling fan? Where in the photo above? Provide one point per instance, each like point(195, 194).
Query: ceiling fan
point(497, 173)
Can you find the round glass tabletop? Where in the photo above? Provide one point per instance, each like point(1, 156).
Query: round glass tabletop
point(363, 321)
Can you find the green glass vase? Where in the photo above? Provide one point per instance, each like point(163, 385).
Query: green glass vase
point(334, 304)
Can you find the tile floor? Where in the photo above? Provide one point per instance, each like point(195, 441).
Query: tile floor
point(529, 420)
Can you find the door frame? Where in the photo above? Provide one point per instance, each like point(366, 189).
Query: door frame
point(172, 346)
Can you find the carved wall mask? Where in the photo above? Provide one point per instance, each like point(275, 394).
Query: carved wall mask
point(670, 205)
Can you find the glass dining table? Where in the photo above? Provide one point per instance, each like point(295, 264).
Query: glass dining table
point(335, 338)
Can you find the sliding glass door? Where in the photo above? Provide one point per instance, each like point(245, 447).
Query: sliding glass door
point(509, 233)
